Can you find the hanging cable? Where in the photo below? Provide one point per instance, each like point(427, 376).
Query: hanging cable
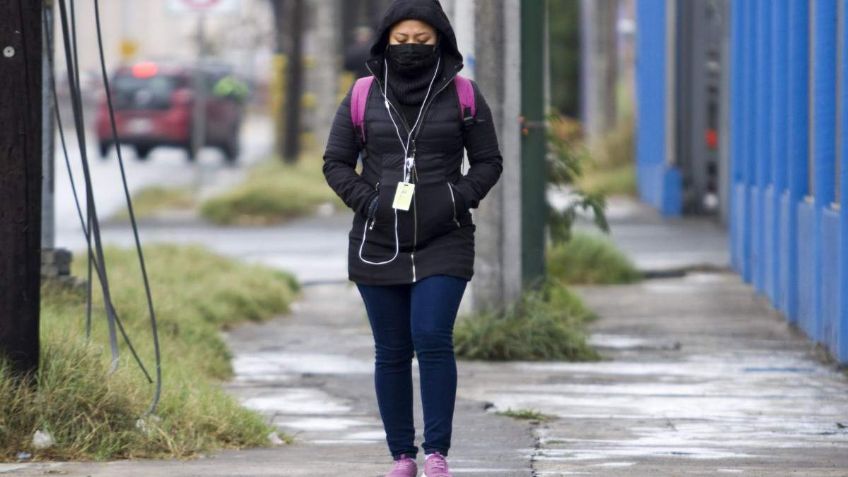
point(113, 319)
point(139, 250)
point(89, 290)
point(79, 122)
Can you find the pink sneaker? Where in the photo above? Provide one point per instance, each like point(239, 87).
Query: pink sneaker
point(436, 466)
point(404, 467)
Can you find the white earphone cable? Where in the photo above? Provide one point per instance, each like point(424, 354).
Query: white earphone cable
point(408, 163)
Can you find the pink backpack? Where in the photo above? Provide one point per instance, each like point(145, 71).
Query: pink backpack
point(359, 100)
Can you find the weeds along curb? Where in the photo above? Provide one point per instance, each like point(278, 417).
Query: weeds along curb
point(94, 415)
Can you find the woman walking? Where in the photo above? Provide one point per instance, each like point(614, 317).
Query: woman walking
point(411, 246)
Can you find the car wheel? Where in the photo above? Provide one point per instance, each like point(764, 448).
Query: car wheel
point(232, 150)
point(191, 153)
point(142, 153)
point(103, 149)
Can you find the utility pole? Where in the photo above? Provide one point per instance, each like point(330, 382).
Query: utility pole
point(534, 140)
point(327, 66)
point(48, 217)
point(497, 43)
point(599, 59)
point(20, 182)
point(55, 263)
point(294, 82)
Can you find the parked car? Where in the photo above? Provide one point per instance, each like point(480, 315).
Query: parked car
point(154, 106)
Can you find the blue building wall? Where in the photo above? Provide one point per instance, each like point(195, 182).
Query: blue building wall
point(788, 96)
point(662, 183)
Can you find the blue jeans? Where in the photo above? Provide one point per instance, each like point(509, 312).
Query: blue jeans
point(416, 318)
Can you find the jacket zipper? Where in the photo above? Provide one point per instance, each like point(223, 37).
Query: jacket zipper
point(453, 201)
point(415, 173)
point(374, 219)
point(414, 168)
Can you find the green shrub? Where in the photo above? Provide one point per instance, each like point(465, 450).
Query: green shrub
point(149, 201)
point(272, 193)
point(547, 324)
point(566, 165)
point(589, 259)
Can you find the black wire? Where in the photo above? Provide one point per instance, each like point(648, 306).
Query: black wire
point(74, 41)
point(115, 139)
point(91, 211)
point(89, 255)
point(113, 319)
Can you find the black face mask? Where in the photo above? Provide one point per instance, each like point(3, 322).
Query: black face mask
point(412, 58)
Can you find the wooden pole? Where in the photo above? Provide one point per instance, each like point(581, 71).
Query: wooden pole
point(20, 182)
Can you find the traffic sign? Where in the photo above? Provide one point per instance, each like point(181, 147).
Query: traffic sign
point(203, 6)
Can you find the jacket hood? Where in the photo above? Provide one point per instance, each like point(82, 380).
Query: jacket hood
point(429, 11)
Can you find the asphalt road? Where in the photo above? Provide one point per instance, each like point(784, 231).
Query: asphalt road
point(166, 167)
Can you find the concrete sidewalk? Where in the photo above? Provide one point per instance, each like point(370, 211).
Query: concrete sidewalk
point(699, 378)
point(311, 374)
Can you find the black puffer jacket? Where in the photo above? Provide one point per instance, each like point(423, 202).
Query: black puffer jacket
point(436, 235)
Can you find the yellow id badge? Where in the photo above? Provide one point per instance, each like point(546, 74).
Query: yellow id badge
point(403, 196)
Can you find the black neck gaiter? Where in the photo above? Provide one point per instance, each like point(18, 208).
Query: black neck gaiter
point(411, 69)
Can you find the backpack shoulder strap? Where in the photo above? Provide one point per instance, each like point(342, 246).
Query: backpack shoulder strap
point(358, 101)
point(467, 100)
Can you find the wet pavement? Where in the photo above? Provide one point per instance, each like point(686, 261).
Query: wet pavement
point(313, 372)
point(311, 375)
point(699, 376)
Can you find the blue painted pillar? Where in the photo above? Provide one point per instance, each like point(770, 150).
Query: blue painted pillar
point(762, 157)
point(824, 141)
point(739, 59)
point(798, 116)
point(779, 132)
point(652, 99)
point(841, 350)
point(753, 77)
point(743, 206)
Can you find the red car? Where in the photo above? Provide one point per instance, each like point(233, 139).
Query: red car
point(154, 106)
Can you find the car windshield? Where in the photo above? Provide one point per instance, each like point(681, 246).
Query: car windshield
point(154, 92)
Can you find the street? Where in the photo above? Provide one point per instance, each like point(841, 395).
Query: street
point(167, 167)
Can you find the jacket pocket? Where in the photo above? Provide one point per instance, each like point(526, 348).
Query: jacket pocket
point(373, 219)
point(434, 211)
point(453, 203)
